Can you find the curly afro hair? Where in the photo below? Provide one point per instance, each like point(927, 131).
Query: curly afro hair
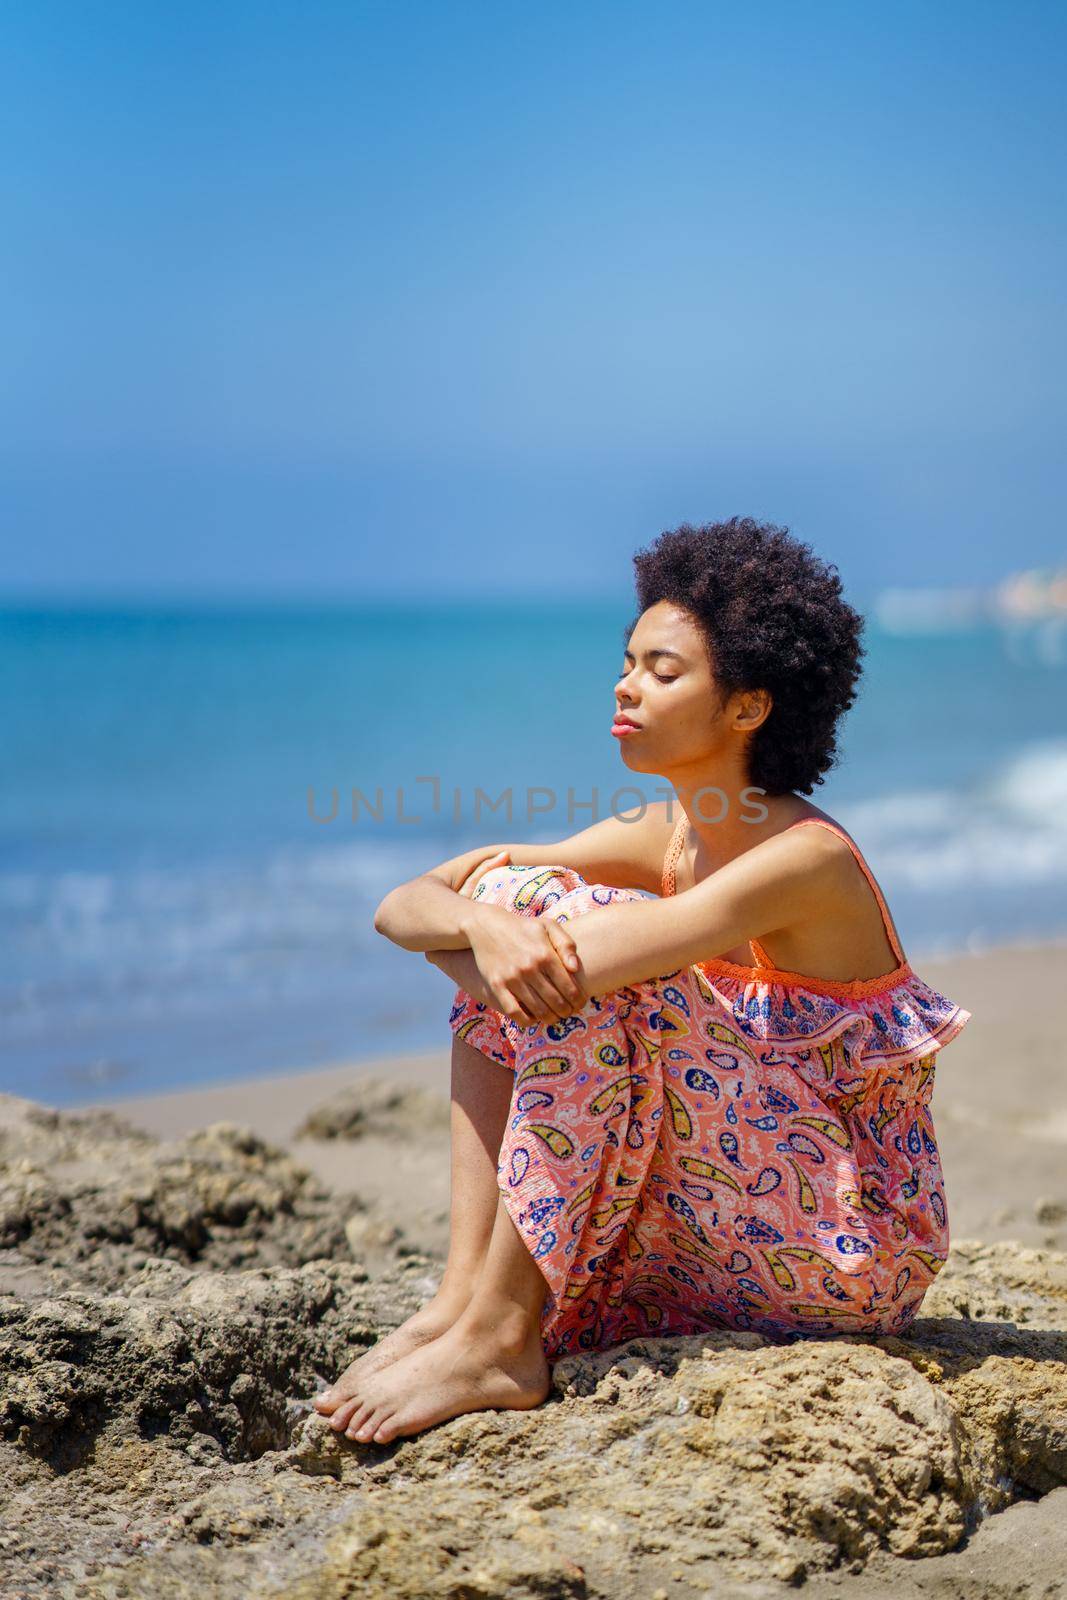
point(773, 618)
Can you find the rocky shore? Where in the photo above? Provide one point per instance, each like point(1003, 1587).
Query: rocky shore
point(168, 1306)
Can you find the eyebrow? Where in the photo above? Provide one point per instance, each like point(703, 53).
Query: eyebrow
point(652, 654)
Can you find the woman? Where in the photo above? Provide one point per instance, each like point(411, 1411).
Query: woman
point(691, 1066)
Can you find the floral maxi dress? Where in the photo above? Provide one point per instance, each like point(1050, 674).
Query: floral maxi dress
point(723, 1146)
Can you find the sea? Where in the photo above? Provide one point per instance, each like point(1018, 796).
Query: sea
point(203, 803)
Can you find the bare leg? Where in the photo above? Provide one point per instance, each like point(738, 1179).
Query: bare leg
point(491, 1357)
point(481, 1097)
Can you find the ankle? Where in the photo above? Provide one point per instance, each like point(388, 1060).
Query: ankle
point(505, 1325)
point(456, 1290)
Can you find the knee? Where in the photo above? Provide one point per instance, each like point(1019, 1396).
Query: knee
point(531, 891)
point(527, 890)
point(586, 897)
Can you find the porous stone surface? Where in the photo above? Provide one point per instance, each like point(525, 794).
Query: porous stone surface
point(167, 1310)
point(89, 1194)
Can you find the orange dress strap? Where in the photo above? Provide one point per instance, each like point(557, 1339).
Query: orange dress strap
point(670, 861)
point(671, 858)
point(887, 921)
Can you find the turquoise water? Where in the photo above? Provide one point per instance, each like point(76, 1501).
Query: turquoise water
point(171, 913)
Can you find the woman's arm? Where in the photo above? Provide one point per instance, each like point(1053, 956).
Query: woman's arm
point(427, 913)
point(774, 885)
point(462, 968)
point(522, 966)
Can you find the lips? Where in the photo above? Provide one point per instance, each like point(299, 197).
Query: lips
point(625, 724)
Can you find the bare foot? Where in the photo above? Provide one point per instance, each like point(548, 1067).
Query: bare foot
point(429, 1322)
point(475, 1365)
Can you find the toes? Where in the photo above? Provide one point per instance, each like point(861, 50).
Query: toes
point(359, 1417)
point(364, 1432)
point(343, 1414)
point(387, 1429)
point(334, 1396)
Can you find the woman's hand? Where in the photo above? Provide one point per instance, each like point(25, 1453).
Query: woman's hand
point(469, 884)
point(522, 966)
point(527, 964)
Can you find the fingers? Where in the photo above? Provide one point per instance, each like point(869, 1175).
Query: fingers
point(470, 883)
point(535, 998)
point(541, 996)
point(511, 1006)
point(539, 983)
point(525, 1004)
point(559, 995)
point(564, 946)
point(536, 1002)
point(561, 978)
point(563, 940)
point(551, 991)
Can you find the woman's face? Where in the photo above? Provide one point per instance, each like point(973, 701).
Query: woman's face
point(668, 690)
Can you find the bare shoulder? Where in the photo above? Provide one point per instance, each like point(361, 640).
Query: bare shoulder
point(821, 854)
point(837, 921)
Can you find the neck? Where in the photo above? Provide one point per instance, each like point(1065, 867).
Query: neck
point(729, 818)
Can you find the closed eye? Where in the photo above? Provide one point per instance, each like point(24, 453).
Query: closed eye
point(662, 676)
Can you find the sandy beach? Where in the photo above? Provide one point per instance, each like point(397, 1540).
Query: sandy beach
point(179, 1272)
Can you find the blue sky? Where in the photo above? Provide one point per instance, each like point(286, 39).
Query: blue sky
point(353, 299)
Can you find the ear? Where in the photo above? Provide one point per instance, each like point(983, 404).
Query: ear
point(754, 709)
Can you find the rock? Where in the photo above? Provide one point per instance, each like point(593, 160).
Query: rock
point(157, 1361)
point(90, 1193)
point(1002, 1282)
point(380, 1106)
point(183, 1355)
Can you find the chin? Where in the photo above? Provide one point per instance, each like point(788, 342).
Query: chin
point(630, 758)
